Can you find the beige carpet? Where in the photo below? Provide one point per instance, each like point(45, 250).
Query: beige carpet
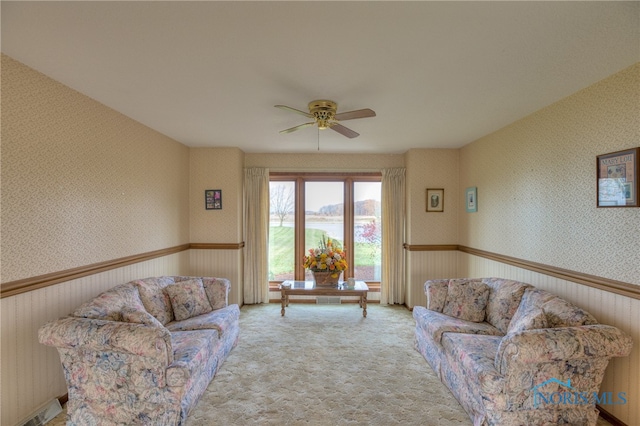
point(326, 365)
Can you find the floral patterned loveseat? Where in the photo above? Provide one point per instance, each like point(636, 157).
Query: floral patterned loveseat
point(512, 354)
point(144, 352)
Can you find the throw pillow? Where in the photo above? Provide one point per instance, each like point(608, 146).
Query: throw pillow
point(561, 313)
point(466, 300)
point(188, 299)
point(136, 316)
point(505, 298)
point(527, 318)
point(154, 299)
point(436, 291)
point(217, 290)
point(108, 305)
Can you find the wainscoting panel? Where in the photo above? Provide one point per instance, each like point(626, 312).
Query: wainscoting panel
point(31, 372)
point(427, 265)
point(623, 374)
point(220, 263)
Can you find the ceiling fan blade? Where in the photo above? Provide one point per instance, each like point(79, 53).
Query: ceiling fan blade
point(345, 131)
point(359, 113)
point(301, 126)
point(306, 114)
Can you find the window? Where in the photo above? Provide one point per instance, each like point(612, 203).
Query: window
point(282, 230)
point(367, 230)
point(306, 207)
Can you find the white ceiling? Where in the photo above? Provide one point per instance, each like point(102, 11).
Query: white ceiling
point(438, 74)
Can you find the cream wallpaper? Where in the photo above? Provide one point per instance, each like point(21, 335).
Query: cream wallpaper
point(82, 183)
point(216, 168)
point(432, 168)
point(536, 182)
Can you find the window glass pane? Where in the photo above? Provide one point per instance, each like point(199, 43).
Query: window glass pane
point(281, 230)
point(367, 231)
point(324, 215)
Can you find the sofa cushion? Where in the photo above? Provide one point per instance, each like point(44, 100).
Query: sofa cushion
point(466, 300)
point(561, 313)
point(109, 305)
point(221, 320)
point(188, 299)
point(436, 324)
point(155, 300)
point(137, 316)
point(504, 299)
point(527, 318)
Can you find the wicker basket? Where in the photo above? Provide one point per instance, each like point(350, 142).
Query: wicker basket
point(324, 279)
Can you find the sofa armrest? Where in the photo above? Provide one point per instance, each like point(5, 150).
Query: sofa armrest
point(436, 292)
point(108, 336)
point(531, 347)
point(217, 290)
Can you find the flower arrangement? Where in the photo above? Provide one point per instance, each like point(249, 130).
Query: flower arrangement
point(326, 258)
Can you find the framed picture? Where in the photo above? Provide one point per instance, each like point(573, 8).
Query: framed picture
point(435, 200)
point(617, 179)
point(213, 199)
point(471, 199)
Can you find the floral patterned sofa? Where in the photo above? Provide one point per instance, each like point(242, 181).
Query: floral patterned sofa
point(144, 352)
point(512, 354)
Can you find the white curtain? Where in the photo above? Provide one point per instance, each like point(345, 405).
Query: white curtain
point(393, 221)
point(256, 235)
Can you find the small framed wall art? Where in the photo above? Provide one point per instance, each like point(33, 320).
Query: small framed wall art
point(471, 199)
point(435, 200)
point(617, 179)
point(213, 199)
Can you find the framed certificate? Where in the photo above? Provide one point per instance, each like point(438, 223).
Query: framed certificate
point(617, 179)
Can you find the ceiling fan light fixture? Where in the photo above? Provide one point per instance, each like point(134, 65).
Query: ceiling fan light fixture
point(323, 124)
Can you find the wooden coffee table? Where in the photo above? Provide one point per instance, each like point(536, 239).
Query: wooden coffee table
point(308, 288)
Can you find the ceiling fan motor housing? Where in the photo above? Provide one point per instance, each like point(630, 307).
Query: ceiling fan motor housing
point(324, 112)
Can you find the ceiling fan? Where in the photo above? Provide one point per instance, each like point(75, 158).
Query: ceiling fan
point(325, 116)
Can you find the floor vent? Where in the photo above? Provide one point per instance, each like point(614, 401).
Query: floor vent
point(44, 414)
point(328, 300)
